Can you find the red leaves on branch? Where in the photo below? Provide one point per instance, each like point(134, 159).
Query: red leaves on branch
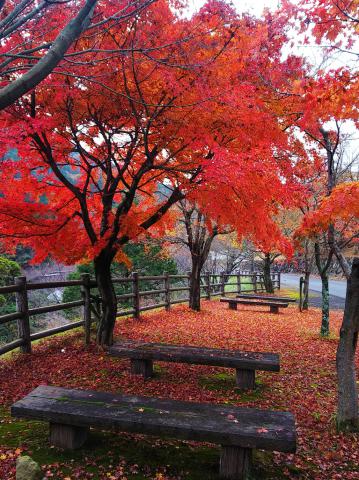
point(161, 104)
point(328, 20)
point(340, 209)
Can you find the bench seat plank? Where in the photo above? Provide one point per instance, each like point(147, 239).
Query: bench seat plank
point(254, 302)
point(225, 425)
point(266, 297)
point(196, 355)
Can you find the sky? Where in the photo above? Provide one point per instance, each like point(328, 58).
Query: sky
point(254, 6)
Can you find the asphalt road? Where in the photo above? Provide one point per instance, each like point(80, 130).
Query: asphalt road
point(337, 289)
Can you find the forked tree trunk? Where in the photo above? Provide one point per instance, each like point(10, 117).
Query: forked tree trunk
point(108, 296)
point(195, 284)
point(306, 291)
point(268, 284)
point(199, 241)
point(347, 415)
point(324, 330)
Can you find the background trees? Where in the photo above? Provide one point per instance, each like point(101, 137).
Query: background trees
point(196, 232)
point(8, 271)
point(148, 258)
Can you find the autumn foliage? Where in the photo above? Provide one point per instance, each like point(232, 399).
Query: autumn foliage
point(332, 21)
point(341, 209)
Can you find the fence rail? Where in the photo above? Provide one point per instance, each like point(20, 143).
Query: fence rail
point(211, 285)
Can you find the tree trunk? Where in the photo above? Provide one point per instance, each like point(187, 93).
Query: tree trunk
point(108, 296)
point(306, 291)
point(343, 262)
point(324, 330)
point(195, 284)
point(348, 415)
point(268, 284)
point(323, 271)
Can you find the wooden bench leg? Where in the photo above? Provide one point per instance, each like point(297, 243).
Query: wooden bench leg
point(67, 436)
point(142, 367)
point(245, 379)
point(235, 463)
point(232, 305)
point(274, 309)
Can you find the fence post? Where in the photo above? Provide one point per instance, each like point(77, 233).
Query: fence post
point(301, 282)
point(278, 280)
point(22, 306)
point(254, 278)
point(86, 297)
point(263, 288)
point(239, 287)
point(167, 291)
point(222, 286)
point(136, 295)
point(208, 276)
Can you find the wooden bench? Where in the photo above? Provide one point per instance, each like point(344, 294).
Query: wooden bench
point(273, 306)
point(143, 354)
point(70, 413)
point(266, 297)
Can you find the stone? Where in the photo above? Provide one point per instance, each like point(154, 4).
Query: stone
point(28, 469)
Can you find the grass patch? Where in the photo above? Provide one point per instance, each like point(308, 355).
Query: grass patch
point(159, 371)
point(286, 292)
point(263, 468)
point(224, 382)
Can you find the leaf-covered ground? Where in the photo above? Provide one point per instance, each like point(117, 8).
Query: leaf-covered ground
point(306, 386)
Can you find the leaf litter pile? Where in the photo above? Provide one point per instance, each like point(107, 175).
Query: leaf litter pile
point(306, 386)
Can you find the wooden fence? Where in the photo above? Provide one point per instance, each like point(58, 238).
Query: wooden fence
point(211, 285)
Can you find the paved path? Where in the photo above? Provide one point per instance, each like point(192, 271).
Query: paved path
point(337, 289)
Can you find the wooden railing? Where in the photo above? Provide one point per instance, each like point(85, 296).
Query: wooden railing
point(211, 285)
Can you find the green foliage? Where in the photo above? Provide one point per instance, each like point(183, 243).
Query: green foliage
point(149, 259)
point(23, 255)
point(8, 271)
point(146, 259)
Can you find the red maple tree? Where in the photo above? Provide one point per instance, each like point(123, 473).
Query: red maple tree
point(188, 108)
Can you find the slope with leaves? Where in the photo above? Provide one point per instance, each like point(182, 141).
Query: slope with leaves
point(306, 385)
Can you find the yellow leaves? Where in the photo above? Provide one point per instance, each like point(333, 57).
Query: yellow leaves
point(121, 257)
point(297, 87)
point(10, 455)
